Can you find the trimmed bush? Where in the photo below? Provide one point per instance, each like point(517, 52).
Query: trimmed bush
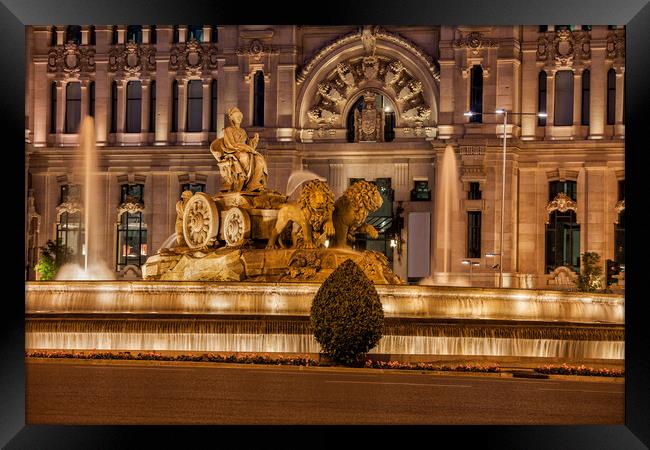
point(346, 315)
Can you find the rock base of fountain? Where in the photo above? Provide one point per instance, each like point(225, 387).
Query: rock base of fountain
point(262, 265)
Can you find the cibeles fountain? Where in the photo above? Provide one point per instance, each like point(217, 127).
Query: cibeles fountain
point(247, 232)
point(244, 264)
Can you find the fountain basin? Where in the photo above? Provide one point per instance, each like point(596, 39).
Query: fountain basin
point(426, 321)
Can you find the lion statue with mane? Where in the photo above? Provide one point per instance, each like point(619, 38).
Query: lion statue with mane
point(351, 211)
point(311, 216)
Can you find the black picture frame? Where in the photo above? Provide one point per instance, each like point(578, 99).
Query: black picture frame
point(15, 14)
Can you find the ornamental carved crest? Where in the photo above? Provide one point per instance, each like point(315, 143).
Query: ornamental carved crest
point(70, 207)
point(475, 42)
point(129, 206)
point(193, 57)
point(71, 60)
point(563, 48)
point(615, 48)
point(132, 59)
point(562, 203)
point(256, 50)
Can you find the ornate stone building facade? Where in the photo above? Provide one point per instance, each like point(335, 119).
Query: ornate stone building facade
point(381, 103)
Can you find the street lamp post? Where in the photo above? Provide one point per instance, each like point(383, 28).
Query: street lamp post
point(504, 113)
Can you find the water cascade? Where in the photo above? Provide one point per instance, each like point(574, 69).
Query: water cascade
point(447, 203)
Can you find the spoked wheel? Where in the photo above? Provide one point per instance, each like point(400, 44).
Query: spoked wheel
point(236, 227)
point(200, 221)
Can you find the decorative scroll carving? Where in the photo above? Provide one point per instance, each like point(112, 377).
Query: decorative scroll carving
point(71, 60)
point(564, 48)
point(192, 58)
point(615, 48)
point(71, 207)
point(129, 206)
point(475, 42)
point(256, 50)
point(372, 35)
point(132, 59)
point(562, 203)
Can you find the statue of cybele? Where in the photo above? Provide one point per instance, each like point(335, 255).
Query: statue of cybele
point(241, 166)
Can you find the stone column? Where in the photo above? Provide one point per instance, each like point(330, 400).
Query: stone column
point(550, 101)
point(182, 33)
point(182, 104)
point(205, 116)
point(597, 93)
point(163, 85)
point(619, 127)
point(146, 34)
point(577, 102)
point(85, 35)
point(42, 87)
point(144, 108)
point(207, 33)
point(102, 83)
point(121, 105)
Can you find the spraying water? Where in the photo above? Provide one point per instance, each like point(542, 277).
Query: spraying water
point(94, 268)
point(447, 201)
point(299, 177)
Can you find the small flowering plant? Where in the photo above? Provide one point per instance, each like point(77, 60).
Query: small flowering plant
point(565, 369)
point(493, 368)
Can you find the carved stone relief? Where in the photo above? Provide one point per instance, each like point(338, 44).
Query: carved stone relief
point(71, 60)
point(132, 59)
point(193, 58)
point(564, 48)
point(562, 203)
point(475, 42)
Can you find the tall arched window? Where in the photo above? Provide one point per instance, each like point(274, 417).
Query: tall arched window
point(93, 37)
point(114, 107)
point(611, 97)
point(541, 98)
point(195, 32)
point(131, 229)
point(194, 105)
point(53, 107)
point(562, 231)
point(134, 34)
point(72, 107)
point(153, 35)
point(69, 226)
point(563, 111)
point(381, 104)
point(114, 39)
point(91, 99)
point(152, 107)
point(174, 127)
point(133, 107)
point(476, 94)
point(73, 34)
point(585, 97)
point(53, 37)
point(258, 99)
point(213, 105)
point(175, 34)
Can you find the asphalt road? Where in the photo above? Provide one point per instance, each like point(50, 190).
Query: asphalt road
point(94, 392)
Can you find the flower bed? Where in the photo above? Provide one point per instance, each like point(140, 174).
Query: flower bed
point(430, 366)
point(565, 369)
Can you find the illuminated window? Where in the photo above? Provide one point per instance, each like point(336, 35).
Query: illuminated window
point(132, 246)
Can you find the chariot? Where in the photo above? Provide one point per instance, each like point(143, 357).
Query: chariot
point(232, 219)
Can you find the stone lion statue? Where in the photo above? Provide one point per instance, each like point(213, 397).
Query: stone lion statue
point(351, 211)
point(311, 216)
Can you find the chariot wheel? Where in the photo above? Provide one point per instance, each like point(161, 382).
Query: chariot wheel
point(236, 227)
point(200, 221)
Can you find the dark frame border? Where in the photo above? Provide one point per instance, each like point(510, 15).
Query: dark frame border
point(15, 14)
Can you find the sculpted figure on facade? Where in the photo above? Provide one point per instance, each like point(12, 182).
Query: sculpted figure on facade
point(241, 166)
point(180, 209)
point(312, 213)
point(351, 211)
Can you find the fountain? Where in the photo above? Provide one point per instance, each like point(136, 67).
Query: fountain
point(94, 268)
point(222, 285)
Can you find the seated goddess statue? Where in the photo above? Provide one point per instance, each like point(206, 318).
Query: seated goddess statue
point(241, 166)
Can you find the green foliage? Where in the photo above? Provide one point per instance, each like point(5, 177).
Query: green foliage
point(346, 315)
point(590, 278)
point(52, 257)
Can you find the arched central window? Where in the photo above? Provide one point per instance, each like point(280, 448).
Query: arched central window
point(133, 107)
point(258, 99)
point(72, 107)
point(194, 105)
point(476, 94)
point(563, 112)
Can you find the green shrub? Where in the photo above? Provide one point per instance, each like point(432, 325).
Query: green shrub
point(52, 257)
point(346, 315)
point(591, 278)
